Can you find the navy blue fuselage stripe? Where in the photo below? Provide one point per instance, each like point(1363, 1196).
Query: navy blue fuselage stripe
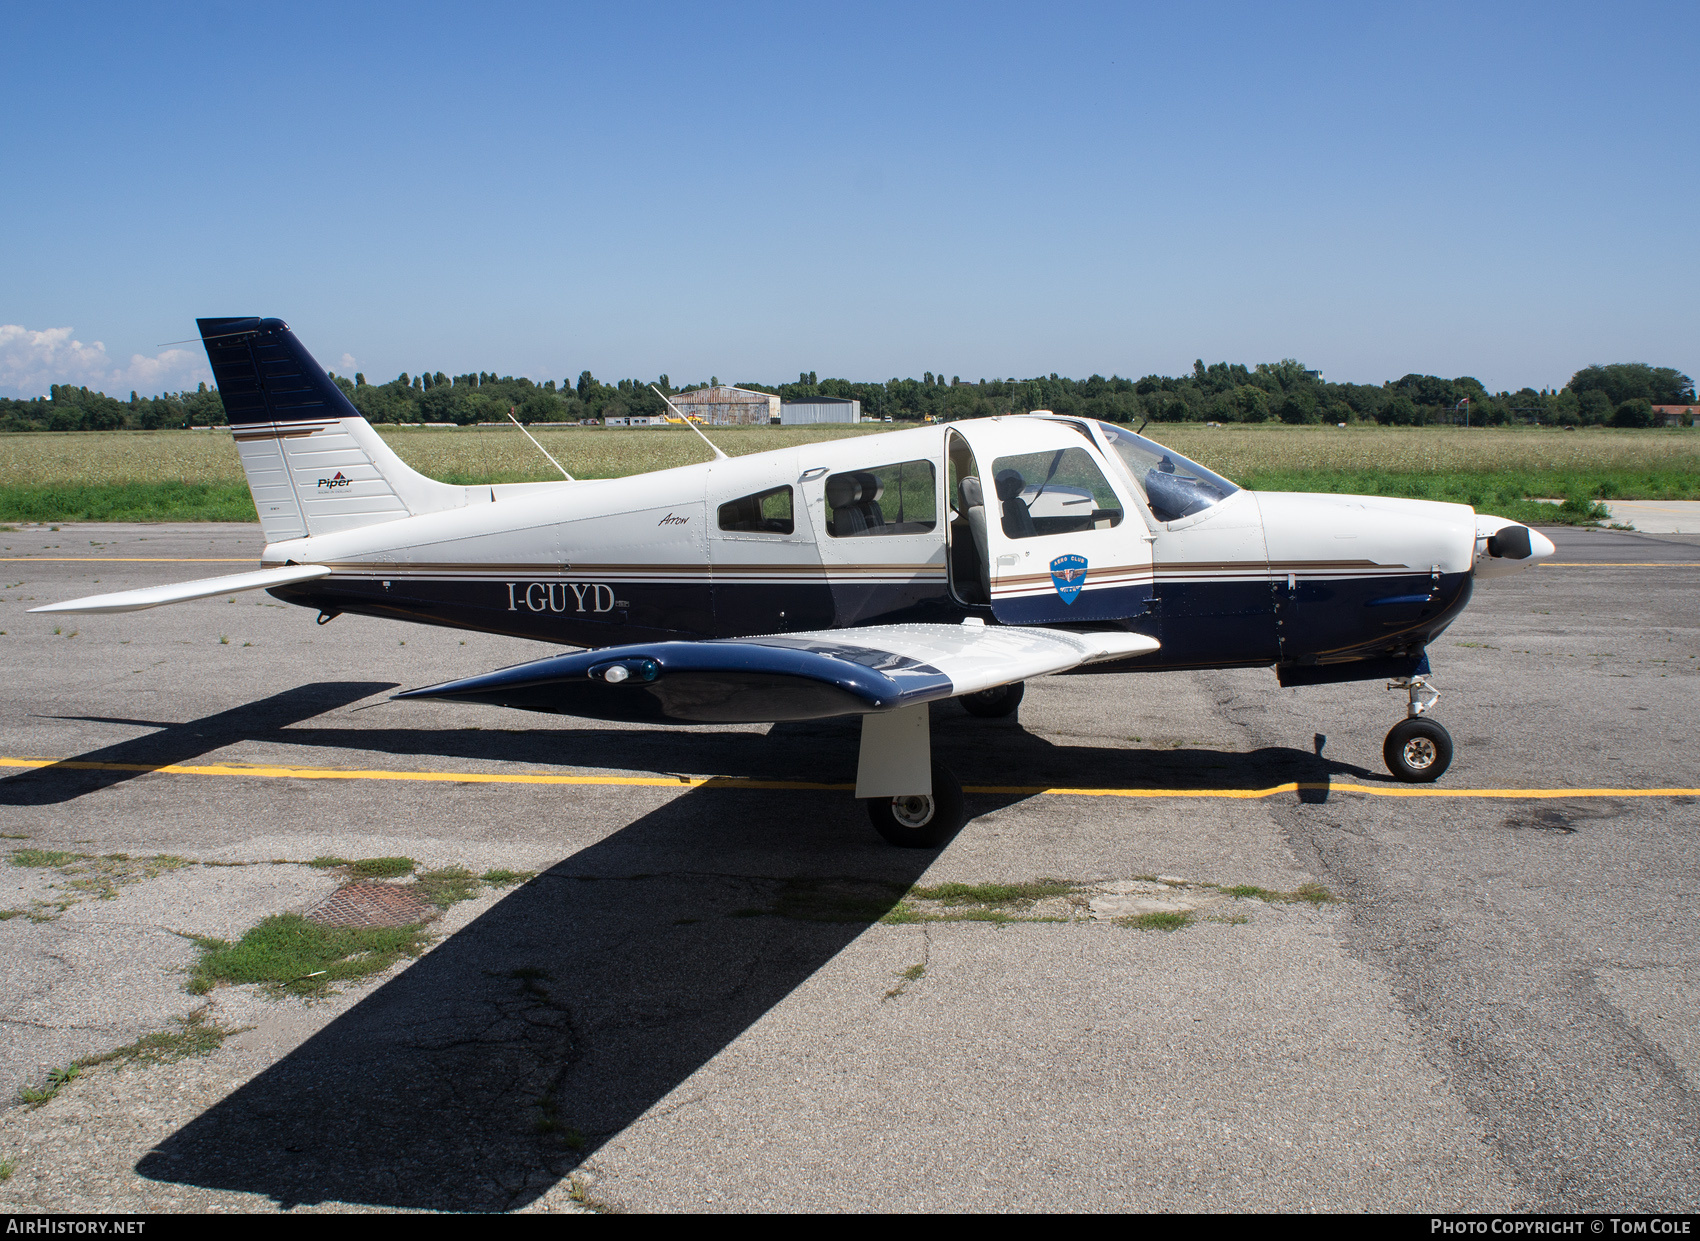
point(1200, 624)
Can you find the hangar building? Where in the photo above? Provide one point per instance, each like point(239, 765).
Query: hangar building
point(725, 406)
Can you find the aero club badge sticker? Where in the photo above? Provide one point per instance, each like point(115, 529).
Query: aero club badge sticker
point(1068, 575)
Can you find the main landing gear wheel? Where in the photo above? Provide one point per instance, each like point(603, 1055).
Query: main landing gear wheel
point(994, 704)
point(1417, 750)
point(920, 821)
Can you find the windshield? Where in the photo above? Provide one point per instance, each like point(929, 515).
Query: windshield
point(1175, 486)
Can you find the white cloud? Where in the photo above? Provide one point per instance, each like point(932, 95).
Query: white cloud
point(347, 362)
point(32, 361)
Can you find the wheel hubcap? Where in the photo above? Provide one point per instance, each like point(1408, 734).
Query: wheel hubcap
point(916, 811)
point(1419, 753)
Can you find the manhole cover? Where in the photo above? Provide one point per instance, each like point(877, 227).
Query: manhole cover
point(372, 904)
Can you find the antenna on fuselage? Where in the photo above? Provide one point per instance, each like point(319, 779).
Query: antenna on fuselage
point(693, 426)
point(528, 435)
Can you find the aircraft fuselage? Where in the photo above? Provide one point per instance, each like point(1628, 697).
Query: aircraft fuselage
point(1314, 582)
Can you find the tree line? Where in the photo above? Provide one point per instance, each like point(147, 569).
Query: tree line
point(1621, 394)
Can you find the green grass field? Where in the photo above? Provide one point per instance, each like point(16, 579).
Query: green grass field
point(195, 476)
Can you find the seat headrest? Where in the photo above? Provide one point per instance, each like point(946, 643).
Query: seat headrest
point(872, 488)
point(969, 489)
point(842, 490)
point(1010, 484)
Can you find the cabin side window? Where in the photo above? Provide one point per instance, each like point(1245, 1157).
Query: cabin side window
point(766, 512)
point(887, 499)
point(1060, 491)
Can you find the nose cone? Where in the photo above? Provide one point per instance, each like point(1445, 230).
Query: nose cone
point(1504, 547)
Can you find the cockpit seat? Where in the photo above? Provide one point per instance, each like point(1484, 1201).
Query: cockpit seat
point(842, 493)
point(974, 512)
point(1017, 521)
point(869, 500)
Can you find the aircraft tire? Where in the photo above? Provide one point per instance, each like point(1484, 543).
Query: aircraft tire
point(1418, 751)
point(994, 704)
point(921, 822)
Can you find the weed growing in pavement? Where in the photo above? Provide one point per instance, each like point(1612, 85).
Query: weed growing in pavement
point(507, 878)
point(1314, 893)
point(382, 867)
point(1156, 921)
point(41, 857)
point(446, 886)
point(57, 1080)
point(1019, 894)
point(101, 876)
point(90, 875)
point(7, 1167)
point(579, 1192)
point(195, 1035)
point(288, 955)
point(913, 974)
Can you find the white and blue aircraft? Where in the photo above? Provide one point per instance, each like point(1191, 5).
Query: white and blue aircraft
point(868, 576)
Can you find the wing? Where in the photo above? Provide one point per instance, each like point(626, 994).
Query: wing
point(797, 676)
point(206, 588)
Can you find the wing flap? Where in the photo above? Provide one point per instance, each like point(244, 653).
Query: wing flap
point(181, 592)
point(800, 676)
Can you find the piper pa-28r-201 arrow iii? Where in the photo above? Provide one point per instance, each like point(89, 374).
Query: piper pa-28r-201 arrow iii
point(867, 576)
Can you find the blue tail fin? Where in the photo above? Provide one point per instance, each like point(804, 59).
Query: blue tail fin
point(264, 374)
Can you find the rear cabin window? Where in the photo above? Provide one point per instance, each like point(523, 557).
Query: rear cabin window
point(888, 499)
point(766, 512)
point(1061, 491)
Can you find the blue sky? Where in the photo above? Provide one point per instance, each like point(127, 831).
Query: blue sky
point(865, 190)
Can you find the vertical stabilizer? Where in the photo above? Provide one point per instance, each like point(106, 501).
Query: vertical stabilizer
point(314, 464)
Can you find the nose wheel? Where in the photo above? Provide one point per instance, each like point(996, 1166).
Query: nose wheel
point(1417, 749)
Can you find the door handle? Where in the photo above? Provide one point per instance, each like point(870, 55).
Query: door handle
point(1008, 558)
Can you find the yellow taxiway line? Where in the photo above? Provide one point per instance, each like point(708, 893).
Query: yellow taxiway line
point(735, 782)
point(132, 559)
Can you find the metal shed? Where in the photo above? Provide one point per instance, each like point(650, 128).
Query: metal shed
point(819, 409)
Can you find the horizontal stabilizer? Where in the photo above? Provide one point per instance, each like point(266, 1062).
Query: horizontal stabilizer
point(797, 676)
point(206, 588)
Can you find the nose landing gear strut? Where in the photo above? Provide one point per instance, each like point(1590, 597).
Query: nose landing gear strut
point(1417, 750)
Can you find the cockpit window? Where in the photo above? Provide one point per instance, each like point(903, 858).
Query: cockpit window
point(1058, 491)
point(1175, 486)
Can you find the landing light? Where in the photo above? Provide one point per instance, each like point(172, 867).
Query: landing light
point(613, 673)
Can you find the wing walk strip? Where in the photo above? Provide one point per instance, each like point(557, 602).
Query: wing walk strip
point(737, 782)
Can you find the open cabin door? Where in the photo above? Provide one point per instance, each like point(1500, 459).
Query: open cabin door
point(1062, 542)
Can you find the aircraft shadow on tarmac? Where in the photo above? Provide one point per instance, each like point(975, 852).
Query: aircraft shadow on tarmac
point(981, 752)
point(492, 1067)
point(178, 742)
